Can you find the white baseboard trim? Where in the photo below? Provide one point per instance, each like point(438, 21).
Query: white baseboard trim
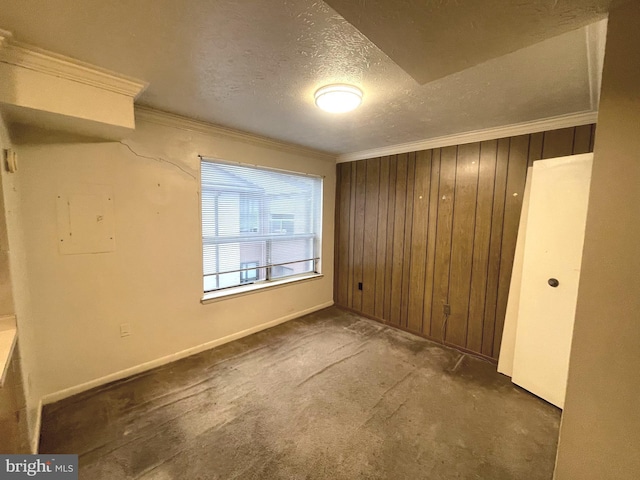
point(68, 392)
point(35, 435)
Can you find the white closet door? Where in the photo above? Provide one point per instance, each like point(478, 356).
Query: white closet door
point(552, 251)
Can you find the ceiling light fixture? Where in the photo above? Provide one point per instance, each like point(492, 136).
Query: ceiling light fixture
point(338, 98)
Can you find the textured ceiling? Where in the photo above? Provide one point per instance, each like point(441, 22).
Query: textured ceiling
point(254, 65)
point(433, 39)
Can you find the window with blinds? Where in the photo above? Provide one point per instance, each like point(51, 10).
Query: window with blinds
point(258, 225)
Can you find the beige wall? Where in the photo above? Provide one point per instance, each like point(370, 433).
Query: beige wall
point(153, 279)
point(6, 296)
point(16, 287)
point(600, 432)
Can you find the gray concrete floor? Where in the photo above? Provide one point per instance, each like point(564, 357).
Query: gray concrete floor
point(328, 396)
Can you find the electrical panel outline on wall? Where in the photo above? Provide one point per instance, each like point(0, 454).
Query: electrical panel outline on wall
point(85, 214)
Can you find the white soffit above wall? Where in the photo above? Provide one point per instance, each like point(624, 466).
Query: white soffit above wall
point(48, 90)
point(253, 66)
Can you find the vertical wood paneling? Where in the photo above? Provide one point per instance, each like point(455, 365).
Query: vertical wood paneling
point(582, 140)
point(352, 219)
point(408, 240)
point(516, 177)
point(431, 242)
point(423, 229)
point(342, 249)
point(358, 234)
point(495, 246)
point(391, 217)
point(464, 219)
point(558, 143)
point(398, 239)
point(448, 157)
point(535, 147)
point(336, 236)
point(381, 237)
point(372, 190)
point(419, 240)
point(481, 243)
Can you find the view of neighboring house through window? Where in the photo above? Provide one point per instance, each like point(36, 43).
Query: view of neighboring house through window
point(258, 224)
point(248, 272)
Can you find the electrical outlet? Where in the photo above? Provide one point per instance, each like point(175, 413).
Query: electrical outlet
point(125, 329)
point(446, 309)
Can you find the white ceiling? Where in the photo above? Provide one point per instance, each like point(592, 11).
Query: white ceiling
point(254, 65)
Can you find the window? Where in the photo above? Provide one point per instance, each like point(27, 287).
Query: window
point(258, 225)
point(248, 272)
point(249, 213)
point(281, 223)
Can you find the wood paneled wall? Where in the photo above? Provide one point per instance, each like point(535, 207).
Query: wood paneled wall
point(421, 230)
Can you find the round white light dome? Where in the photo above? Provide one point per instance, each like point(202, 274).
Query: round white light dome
point(338, 98)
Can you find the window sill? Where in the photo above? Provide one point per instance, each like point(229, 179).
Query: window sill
point(8, 337)
point(249, 289)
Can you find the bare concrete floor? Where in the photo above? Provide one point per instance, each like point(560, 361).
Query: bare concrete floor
point(328, 396)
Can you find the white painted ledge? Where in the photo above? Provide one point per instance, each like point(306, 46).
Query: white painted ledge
point(256, 287)
point(8, 337)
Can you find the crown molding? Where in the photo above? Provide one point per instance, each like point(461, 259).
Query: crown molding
point(43, 61)
point(553, 123)
point(159, 117)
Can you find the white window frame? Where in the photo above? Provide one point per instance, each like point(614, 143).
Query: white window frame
point(247, 288)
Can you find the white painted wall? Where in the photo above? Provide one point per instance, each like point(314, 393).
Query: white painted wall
point(600, 431)
point(153, 279)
